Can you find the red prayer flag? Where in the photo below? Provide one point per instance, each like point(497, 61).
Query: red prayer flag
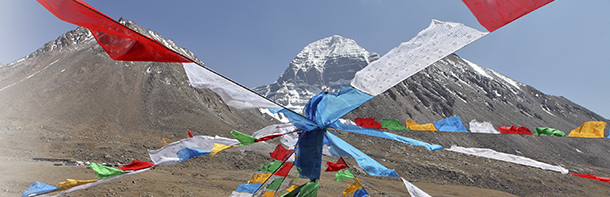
point(269, 137)
point(281, 153)
point(136, 165)
point(493, 14)
point(590, 176)
point(333, 167)
point(514, 130)
point(120, 42)
point(368, 122)
point(284, 170)
point(191, 136)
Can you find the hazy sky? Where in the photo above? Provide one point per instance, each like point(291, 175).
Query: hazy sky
point(560, 49)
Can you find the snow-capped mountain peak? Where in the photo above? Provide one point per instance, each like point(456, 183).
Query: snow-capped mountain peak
point(329, 62)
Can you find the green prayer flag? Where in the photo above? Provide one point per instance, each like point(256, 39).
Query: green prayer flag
point(275, 184)
point(344, 175)
point(392, 124)
point(271, 167)
point(310, 189)
point(105, 171)
point(543, 131)
point(243, 138)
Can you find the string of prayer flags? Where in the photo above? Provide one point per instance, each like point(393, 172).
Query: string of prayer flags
point(271, 167)
point(344, 175)
point(37, 188)
point(105, 171)
point(70, 183)
point(243, 138)
point(351, 188)
point(281, 153)
point(136, 165)
point(333, 167)
point(220, 147)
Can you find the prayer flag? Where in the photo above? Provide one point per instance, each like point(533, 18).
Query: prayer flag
point(250, 188)
point(220, 147)
point(164, 142)
point(493, 14)
point(269, 194)
point(430, 45)
point(351, 188)
point(543, 131)
point(417, 127)
point(281, 153)
point(344, 175)
point(283, 172)
point(243, 138)
point(275, 184)
point(333, 167)
point(310, 189)
point(590, 129)
point(591, 176)
point(361, 193)
point(70, 183)
point(187, 153)
point(269, 137)
point(105, 171)
point(514, 130)
point(39, 188)
point(293, 187)
point(120, 42)
point(368, 122)
point(392, 124)
point(136, 165)
point(271, 167)
point(191, 136)
point(167, 154)
point(413, 190)
point(260, 178)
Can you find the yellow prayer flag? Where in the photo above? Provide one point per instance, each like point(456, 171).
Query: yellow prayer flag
point(259, 178)
point(269, 194)
point(417, 127)
point(590, 129)
point(293, 187)
point(164, 142)
point(70, 183)
point(220, 147)
point(351, 188)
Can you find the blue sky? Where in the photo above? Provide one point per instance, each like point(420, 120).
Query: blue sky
point(560, 49)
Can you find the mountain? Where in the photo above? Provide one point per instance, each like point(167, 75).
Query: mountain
point(72, 83)
point(328, 63)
